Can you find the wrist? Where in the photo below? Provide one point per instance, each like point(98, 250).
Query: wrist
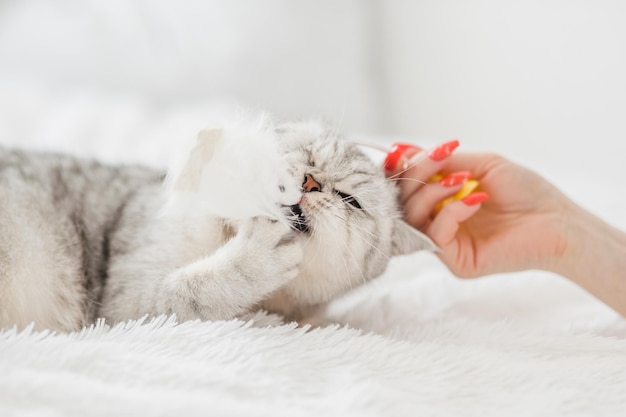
point(578, 229)
point(594, 257)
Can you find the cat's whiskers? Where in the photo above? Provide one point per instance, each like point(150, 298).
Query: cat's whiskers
point(337, 127)
point(353, 256)
point(359, 195)
point(360, 236)
point(397, 175)
point(409, 166)
point(368, 209)
point(312, 233)
point(308, 240)
point(367, 232)
point(371, 146)
point(407, 179)
point(347, 267)
point(327, 230)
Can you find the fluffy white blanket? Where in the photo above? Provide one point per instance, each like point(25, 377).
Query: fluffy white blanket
point(430, 345)
point(427, 343)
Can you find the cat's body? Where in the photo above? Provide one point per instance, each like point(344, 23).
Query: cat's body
point(81, 240)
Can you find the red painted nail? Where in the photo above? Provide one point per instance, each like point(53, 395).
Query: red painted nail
point(395, 154)
point(476, 198)
point(456, 178)
point(443, 151)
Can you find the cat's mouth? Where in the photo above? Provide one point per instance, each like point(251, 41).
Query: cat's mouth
point(296, 216)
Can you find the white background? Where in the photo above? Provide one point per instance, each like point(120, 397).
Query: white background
point(541, 82)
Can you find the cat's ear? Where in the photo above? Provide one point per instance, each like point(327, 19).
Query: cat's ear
point(191, 174)
point(407, 239)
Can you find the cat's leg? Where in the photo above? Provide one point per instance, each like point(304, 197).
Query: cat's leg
point(41, 279)
point(263, 256)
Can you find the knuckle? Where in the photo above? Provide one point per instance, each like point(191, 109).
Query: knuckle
point(492, 160)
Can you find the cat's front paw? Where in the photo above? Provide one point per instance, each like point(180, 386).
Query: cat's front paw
point(272, 251)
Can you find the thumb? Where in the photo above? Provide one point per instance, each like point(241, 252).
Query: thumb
point(443, 231)
point(444, 226)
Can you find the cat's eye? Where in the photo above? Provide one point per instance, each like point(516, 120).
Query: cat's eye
point(347, 198)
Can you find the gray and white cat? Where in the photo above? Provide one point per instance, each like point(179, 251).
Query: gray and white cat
point(81, 240)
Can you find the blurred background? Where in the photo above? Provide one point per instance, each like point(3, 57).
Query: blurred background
point(541, 82)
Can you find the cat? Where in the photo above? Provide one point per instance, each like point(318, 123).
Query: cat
point(80, 240)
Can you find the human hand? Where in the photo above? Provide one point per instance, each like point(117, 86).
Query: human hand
point(521, 225)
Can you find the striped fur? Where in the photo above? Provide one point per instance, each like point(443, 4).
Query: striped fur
point(81, 240)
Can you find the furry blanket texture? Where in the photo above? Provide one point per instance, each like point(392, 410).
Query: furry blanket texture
point(422, 343)
point(415, 342)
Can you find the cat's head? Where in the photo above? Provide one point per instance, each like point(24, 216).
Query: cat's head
point(348, 216)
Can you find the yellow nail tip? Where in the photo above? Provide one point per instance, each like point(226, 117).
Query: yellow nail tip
point(468, 187)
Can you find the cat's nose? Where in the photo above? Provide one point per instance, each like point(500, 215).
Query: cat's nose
point(310, 184)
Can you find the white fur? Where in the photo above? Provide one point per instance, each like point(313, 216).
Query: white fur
point(230, 160)
point(223, 283)
point(29, 289)
point(221, 254)
point(203, 260)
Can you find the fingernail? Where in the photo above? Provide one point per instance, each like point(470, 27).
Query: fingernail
point(476, 198)
point(456, 178)
point(395, 153)
point(443, 151)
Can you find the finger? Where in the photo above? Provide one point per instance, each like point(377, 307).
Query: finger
point(421, 204)
point(445, 225)
point(422, 166)
point(479, 163)
point(396, 164)
point(398, 156)
point(459, 253)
